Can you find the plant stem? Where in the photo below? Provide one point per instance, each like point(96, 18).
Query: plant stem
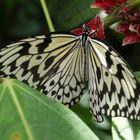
point(47, 15)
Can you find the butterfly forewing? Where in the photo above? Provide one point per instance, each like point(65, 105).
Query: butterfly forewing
point(52, 64)
point(114, 90)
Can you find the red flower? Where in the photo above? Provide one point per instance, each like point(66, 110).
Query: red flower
point(107, 5)
point(96, 27)
point(131, 29)
point(129, 18)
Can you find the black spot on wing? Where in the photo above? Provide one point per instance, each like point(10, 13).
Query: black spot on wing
point(119, 72)
point(98, 73)
point(52, 83)
point(53, 93)
point(113, 87)
point(2, 74)
point(59, 97)
point(129, 101)
point(120, 95)
point(75, 89)
point(67, 95)
point(48, 62)
point(42, 46)
point(104, 91)
point(13, 66)
point(106, 74)
point(24, 65)
point(108, 59)
point(1, 66)
point(38, 57)
point(112, 91)
point(25, 49)
point(34, 71)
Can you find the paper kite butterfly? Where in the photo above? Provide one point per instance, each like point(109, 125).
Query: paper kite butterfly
point(62, 66)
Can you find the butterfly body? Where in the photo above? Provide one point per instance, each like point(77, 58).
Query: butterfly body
point(60, 65)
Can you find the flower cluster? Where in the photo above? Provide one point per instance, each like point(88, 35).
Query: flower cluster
point(129, 17)
point(130, 28)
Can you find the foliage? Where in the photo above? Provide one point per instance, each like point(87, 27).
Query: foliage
point(27, 114)
point(20, 19)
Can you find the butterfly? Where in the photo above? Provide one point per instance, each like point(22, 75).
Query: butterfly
point(63, 65)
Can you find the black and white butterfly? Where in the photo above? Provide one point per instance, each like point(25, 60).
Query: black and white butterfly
point(61, 65)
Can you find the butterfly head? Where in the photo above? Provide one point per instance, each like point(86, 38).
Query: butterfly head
point(86, 30)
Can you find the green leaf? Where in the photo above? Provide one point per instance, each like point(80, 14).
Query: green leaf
point(26, 114)
point(136, 129)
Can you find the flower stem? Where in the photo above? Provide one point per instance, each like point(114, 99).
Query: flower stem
point(47, 15)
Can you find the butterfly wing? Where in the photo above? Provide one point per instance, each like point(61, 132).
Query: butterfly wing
point(52, 64)
point(114, 90)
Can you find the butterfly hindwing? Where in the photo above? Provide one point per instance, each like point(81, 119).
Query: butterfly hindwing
point(114, 90)
point(52, 64)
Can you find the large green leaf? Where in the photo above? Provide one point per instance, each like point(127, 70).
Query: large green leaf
point(26, 114)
